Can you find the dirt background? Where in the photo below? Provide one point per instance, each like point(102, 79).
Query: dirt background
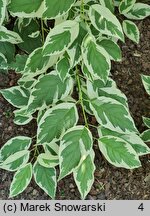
point(110, 182)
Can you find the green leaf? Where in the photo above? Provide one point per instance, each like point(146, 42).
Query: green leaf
point(14, 145)
point(15, 161)
point(48, 160)
point(126, 5)
point(84, 175)
point(22, 120)
point(37, 63)
point(146, 121)
point(3, 63)
point(60, 38)
point(51, 148)
point(19, 63)
point(17, 96)
point(113, 115)
point(138, 12)
point(131, 31)
point(63, 67)
point(8, 50)
point(55, 121)
point(93, 57)
point(146, 136)
point(87, 73)
point(9, 36)
point(75, 145)
point(133, 139)
point(52, 11)
point(3, 4)
point(48, 90)
point(86, 101)
point(25, 27)
point(21, 180)
point(25, 8)
point(146, 83)
point(21, 117)
point(118, 152)
point(45, 179)
point(26, 82)
point(74, 51)
point(96, 88)
point(111, 48)
point(108, 4)
point(40, 114)
point(105, 22)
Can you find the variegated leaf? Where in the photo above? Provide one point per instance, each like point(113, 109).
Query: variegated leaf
point(96, 59)
point(15, 161)
point(75, 145)
point(3, 63)
point(14, 145)
point(63, 67)
point(74, 51)
point(146, 83)
point(55, 121)
point(21, 180)
point(40, 114)
point(34, 34)
point(45, 179)
point(113, 115)
point(48, 90)
point(86, 101)
point(146, 136)
point(105, 22)
point(8, 50)
point(108, 3)
point(22, 120)
point(126, 5)
point(87, 73)
point(96, 88)
point(60, 38)
point(138, 12)
point(37, 63)
point(9, 36)
point(118, 152)
point(146, 121)
point(26, 82)
point(51, 11)
point(17, 96)
point(48, 160)
point(26, 8)
point(21, 117)
point(84, 175)
point(3, 4)
point(131, 31)
point(111, 48)
point(25, 27)
point(133, 139)
point(51, 148)
point(19, 63)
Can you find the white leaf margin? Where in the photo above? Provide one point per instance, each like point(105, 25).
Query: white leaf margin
point(14, 179)
point(69, 25)
point(66, 106)
point(90, 181)
point(3, 11)
point(128, 147)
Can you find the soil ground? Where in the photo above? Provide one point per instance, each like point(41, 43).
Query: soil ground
point(110, 182)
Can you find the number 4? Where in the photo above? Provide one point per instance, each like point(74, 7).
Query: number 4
point(141, 207)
